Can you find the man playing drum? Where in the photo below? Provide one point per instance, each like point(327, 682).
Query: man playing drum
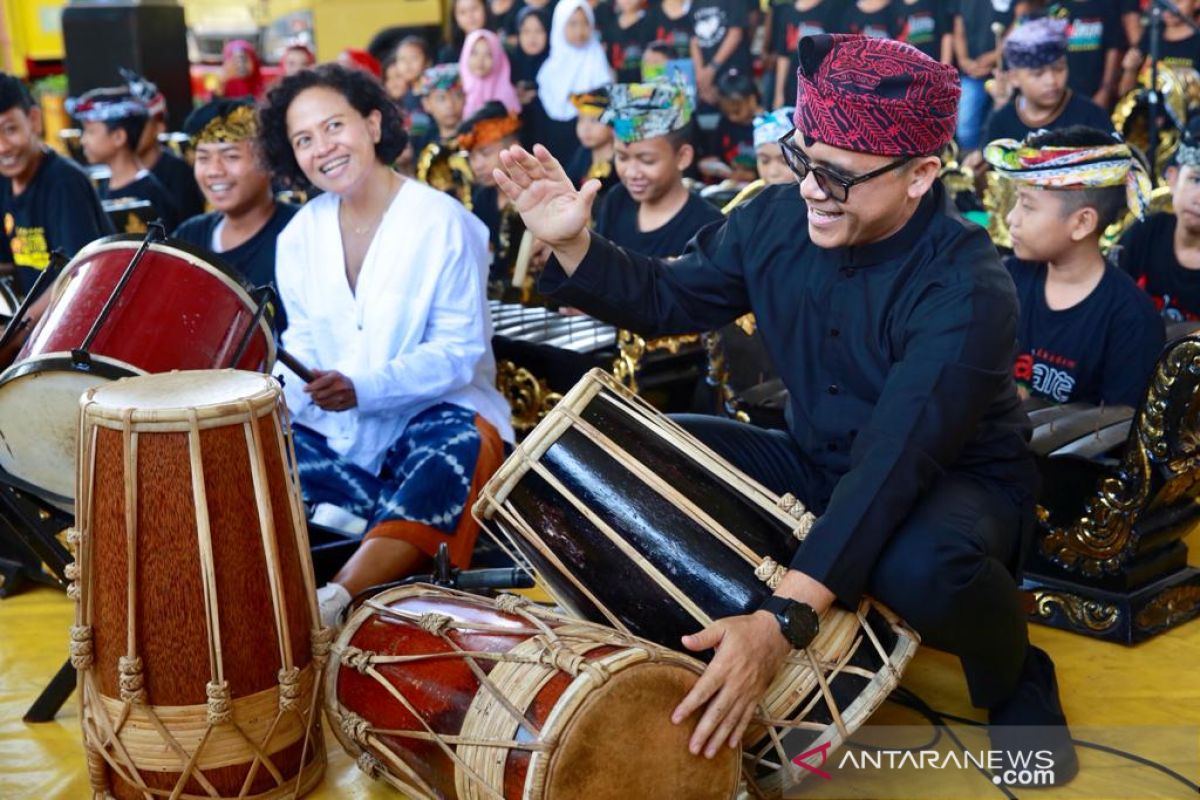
point(892, 323)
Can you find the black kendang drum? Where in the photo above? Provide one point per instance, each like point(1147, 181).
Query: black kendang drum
point(630, 521)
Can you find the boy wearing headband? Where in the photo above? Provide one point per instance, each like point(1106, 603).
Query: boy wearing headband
point(652, 211)
point(1086, 333)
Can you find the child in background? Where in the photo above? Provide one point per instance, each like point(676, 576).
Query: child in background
point(468, 16)
point(789, 23)
point(483, 135)
point(732, 153)
point(576, 64)
point(594, 158)
point(769, 128)
point(720, 41)
point(1086, 333)
point(652, 212)
point(242, 71)
point(874, 18)
point(673, 24)
point(925, 24)
point(112, 121)
point(533, 47)
point(297, 56)
point(442, 98)
point(486, 73)
point(625, 38)
point(412, 57)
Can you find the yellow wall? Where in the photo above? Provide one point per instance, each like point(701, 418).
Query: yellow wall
point(339, 24)
point(33, 29)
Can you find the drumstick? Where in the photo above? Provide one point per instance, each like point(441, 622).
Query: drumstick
point(294, 364)
point(521, 265)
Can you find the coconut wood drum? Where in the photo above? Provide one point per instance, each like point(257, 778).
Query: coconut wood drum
point(630, 521)
point(448, 695)
point(178, 310)
point(197, 641)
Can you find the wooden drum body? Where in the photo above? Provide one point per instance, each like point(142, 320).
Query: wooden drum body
point(177, 311)
point(448, 695)
point(630, 521)
point(197, 639)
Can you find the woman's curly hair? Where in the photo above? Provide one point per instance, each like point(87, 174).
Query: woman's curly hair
point(364, 93)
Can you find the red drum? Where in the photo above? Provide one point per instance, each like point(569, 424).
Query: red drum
point(446, 695)
point(177, 311)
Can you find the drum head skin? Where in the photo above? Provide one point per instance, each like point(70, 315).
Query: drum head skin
point(159, 395)
point(621, 744)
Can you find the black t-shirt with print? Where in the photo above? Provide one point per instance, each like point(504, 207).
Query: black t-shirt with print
point(1100, 350)
point(789, 26)
point(1148, 255)
point(146, 187)
point(1094, 28)
point(675, 32)
point(923, 24)
point(881, 24)
point(711, 22)
point(180, 182)
point(734, 144)
point(1004, 123)
point(253, 258)
point(617, 221)
point(977, 17)
point(58, 210)
point(1184, 53)
point(625, 46)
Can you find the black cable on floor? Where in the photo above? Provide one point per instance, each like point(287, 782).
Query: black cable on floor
point(910, 699)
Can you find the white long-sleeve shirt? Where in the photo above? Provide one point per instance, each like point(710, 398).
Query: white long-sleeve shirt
point(415, 333)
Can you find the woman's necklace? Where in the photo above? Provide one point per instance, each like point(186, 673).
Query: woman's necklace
point(360, 230)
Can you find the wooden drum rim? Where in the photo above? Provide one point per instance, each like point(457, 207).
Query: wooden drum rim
point(176, 419)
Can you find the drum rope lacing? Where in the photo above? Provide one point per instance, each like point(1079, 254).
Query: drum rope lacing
point(107, 751)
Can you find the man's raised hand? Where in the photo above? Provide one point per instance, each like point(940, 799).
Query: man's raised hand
point(553, 210)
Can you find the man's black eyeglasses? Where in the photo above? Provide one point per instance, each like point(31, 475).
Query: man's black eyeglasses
point(836, 186)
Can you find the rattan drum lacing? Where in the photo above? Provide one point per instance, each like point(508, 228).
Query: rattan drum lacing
point(123, 733)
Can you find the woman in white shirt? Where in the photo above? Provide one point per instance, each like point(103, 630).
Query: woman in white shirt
point(383, 280)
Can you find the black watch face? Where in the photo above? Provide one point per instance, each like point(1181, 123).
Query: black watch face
point(799, 625)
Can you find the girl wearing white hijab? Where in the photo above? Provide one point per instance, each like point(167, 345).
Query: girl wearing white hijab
point(576, 64)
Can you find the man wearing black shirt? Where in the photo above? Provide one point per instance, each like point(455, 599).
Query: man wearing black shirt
point(651, 211)
point(1036, 56)
point(892, 324)
point(47, 201)
point(246, 219)
point(1095, 39)
point(1086, 335)
point(1162, 253)
point(113, 120)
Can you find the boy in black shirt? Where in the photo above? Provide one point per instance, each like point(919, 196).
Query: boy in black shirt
point(172, 171)
point(873, 18)
point(790, 22)
point(442, 98)
point(1162, 252)
point(113, 120)
point(1095, 39)
point(1179, 48)
point(47, 201)
point(1036, 56)
point(673, 26)
point(731, 154)
point(625, 37)
point(488, 131)
point(652, 212)
point(594, 158)
point(719, 41)
point(1086, 334)
point(975, 54)
point(246, 219)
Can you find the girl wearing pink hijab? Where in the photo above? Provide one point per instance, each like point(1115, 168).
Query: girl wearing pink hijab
point(243, 70)
point(486, 73)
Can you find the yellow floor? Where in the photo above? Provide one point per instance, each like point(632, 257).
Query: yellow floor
point(1141, 699)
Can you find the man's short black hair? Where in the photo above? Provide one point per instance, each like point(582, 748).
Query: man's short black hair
point(734, 82)
point(13, 93)
point(364, 93)
point(1110, 203)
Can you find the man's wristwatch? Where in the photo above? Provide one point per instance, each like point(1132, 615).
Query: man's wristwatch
point(798, 621)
